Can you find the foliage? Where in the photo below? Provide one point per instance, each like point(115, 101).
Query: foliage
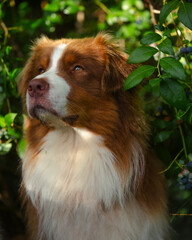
point(160, 35)
point(169, 94)
point(172, 88)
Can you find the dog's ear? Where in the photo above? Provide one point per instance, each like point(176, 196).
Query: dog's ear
point(22, 82)
point(28, 71)
point(117, 68)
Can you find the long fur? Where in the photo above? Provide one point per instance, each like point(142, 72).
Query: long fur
point(88, 172)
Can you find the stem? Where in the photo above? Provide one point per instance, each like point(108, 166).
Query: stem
point(174, 160)
point(152, 13)
point(183, 141)
point(176, 29)
point(182, 82)
point(5, 67)
point(8, 105)
point(181, 214)
point(103, 7)
point(158, 64)
point(5, 31)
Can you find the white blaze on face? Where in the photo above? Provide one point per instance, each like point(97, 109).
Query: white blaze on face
point(58, 87)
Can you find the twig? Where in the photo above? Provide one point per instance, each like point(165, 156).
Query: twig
point(152, 13)
point(181, 214)
point(183, 141)
point(158, 64)
point(176, 30)
point(174, 160)
point(6, 32)
point(103, 7)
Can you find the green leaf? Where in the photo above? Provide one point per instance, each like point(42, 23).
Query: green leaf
point(9, 118)
point(162, 124)
point(5, 148)
point(13, 133)
point(8, 49)
point(173, 93)
point(173, 67)
point(190, 157)
point(167, 33)
point(54, 18)
point(190, 117)
point(52, 7)
point(159, 27)
point(19, 119)
point(182, 113)
point(37, 23)
point(150, 38)
point(154, 82)
point(166, 47)
point(138, 75)
point(185, 41)
point(141, 54)
point(2, 122)
point(185, 14)
point(73, 8)
point(21, 148)
point(162, 136)
point(166, 9)
point(13, 75)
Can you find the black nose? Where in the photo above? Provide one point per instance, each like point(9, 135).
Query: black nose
point(38, 87)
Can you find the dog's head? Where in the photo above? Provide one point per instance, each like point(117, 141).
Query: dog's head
point(69, 78)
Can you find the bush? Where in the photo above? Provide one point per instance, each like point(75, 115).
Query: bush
point(161, 38)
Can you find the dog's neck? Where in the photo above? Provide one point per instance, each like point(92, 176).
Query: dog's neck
point(70, 163)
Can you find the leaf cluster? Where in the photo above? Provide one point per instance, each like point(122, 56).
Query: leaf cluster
point(171, 89)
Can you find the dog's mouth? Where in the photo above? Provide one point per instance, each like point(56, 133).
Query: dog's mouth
point(51, 118)
point(71, 119)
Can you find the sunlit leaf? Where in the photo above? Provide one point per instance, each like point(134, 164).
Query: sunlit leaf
point(5, 148)
point(2, 122)
point(166, 9)
point(21, 147)
point(9, 118)
point(52, 7)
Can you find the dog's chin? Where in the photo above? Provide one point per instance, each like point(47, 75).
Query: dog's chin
point(52, 119)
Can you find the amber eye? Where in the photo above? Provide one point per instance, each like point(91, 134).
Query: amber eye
point(41, 70)
point(78, 68)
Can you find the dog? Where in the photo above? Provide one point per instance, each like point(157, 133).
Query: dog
point(88, 172)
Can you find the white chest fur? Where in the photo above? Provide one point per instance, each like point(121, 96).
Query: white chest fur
point(71, 179)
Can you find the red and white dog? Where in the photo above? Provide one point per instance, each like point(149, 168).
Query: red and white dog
point(88, 173)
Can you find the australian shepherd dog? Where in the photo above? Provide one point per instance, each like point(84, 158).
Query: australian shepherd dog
point(88, 172)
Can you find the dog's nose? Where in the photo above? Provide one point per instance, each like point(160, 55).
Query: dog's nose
point(38, 87)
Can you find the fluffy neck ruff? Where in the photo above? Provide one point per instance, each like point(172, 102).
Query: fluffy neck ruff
point(73, 174)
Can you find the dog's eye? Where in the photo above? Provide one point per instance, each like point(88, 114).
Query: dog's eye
point(78, 68)
point(41, 70)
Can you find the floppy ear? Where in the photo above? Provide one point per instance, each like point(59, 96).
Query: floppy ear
point(28, 70)
point(117, 68)
point(22, 83)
